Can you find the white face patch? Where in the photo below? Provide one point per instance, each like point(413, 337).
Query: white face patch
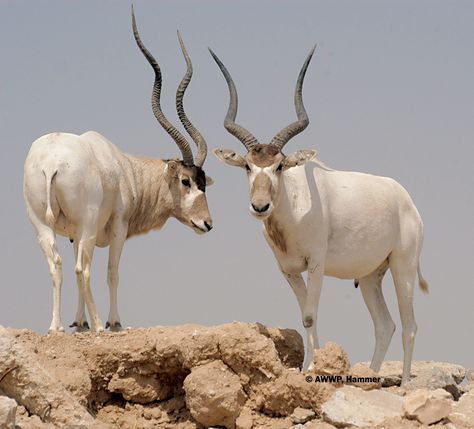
point(267, 171)
point(189, 198)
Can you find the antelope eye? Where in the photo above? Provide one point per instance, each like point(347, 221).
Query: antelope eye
point(186, 183)
point(280, 167)
point(247, 167)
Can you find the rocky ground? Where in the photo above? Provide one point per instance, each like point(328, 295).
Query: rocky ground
point(237, 375)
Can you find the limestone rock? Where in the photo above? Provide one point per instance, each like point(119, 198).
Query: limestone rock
point(27, 382)
point(353, 406)
point(402, 423)
point(331, 360)
point(391, 371)
point(367, 378)
point(214, 395)
point(470, 375)
point(466, 388)
point(427, 406)
point(462, 413)
point(25, 421)
point(248, 352)
point(290, 390)
point(140, 389)
point(245, 419)
point(302, 415)
point(318, 424)
point(288, 343)
point(434, 378)
point(7, 412)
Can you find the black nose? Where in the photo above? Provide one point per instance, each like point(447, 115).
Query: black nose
point(207, 225)
point(261, 209)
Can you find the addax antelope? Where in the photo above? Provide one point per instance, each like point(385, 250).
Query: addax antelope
point(83, 187)
point(342, 224)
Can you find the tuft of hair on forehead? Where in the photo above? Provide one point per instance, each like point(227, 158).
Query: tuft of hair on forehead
point(263, 155)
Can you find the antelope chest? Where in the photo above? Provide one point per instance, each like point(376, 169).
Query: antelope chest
point(289, 250)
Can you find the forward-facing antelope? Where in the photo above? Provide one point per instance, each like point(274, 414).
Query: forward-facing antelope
point(326, 222)
point(83, 187)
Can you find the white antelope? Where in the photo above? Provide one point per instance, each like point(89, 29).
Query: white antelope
point(342, 224)
point(83, 187)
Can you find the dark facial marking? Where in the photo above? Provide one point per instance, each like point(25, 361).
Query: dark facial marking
point(199, 177)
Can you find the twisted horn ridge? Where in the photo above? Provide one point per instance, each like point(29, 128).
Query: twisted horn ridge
point(296, 127)
point(236, 130)
point(155, 101)
point(192, 131)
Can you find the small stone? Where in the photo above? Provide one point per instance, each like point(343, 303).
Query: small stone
point(462, 413)
point(352, 406)
point(302, 415)
point(364, 377)
point(331, 360)
point(427, 406)
point(466, 388)
point(7, 412)
point(245, 420)
point(298, 426)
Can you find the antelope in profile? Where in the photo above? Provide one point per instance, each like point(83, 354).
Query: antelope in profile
point(337, 223)
point(83, 187)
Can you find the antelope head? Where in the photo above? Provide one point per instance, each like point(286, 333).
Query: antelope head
point(185, 178)
point(264, 163)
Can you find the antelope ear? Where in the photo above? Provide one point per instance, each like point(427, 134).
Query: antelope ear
point(209, 181)
point(230, 157)
point(299, 157)
point(171, 168)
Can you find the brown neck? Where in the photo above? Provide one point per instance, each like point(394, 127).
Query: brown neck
point(153, 203)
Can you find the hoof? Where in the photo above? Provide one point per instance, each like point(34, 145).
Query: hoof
point(84, 326)
point(116, 327)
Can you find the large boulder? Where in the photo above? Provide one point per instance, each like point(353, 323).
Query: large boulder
point(214, 395)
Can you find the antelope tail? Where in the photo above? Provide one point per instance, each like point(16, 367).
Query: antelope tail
point(423, 283)
point(50, 220)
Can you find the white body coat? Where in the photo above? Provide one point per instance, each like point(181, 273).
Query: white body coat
point(347, 225)
point(83, 187)
point(337, 223)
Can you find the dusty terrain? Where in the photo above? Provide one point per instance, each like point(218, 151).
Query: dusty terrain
point(237, 375)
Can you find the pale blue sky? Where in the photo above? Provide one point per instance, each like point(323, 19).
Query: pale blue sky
point(390, 91)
